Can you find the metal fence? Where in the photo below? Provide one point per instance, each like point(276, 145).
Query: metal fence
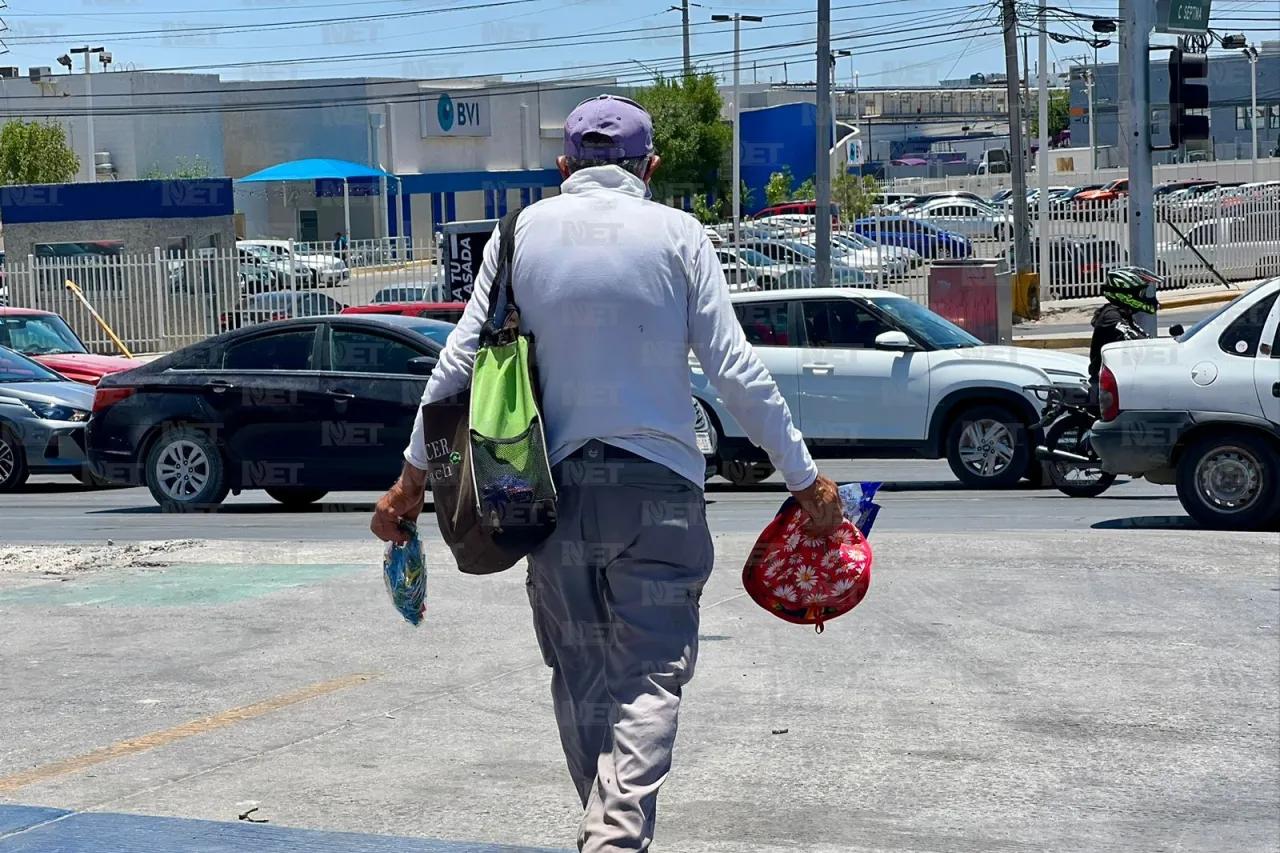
point(1232, 235)
point(162, 300)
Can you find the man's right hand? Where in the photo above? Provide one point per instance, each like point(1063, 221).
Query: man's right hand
point(403, 501)
point(821, 502)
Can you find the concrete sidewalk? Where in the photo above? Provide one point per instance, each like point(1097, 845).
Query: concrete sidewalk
point(1043, 692)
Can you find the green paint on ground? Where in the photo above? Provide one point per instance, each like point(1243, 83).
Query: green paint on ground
point(195, 585)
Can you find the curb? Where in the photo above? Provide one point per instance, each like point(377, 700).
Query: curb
point(1194, 299)
point(1053, 343)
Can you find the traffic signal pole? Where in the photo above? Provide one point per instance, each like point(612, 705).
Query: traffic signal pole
point(1139, 20)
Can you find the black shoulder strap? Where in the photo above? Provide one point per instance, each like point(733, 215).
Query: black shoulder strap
point(502, 276)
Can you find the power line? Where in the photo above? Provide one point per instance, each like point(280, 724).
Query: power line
point(626, 35)
point(672, 64)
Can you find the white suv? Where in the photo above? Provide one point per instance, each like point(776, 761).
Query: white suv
point(872, 374)
point(1201, 410)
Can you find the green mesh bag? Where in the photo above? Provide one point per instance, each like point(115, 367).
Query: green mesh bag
point(514, 490)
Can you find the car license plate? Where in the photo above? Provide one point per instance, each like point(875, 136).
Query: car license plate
point(704, 443)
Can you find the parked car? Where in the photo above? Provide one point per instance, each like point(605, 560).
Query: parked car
point(975, 220)
point(877, 261)
point(448, 312)
point(869, 373)
point(1244, 247)
point(840, 277)
point(42, 421)
point(1109, 192)
point(280, 305)
point(297, 408)
point(911, 258)
point(46, 337)
point(949, 195)
point(325, 269)
point(925, 238)
point(802, 208)
point(790, 255)
point(260, 262)
point(1201, 411)
point(1079, 263)
point(1063, 205)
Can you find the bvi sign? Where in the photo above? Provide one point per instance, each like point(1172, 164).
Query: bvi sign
point(445, 115)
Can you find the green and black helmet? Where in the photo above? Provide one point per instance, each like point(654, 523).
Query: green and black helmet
point(1133, 288)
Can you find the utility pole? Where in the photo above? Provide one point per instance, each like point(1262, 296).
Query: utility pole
point(1136, 28)
point(822, 176)
point(684, 19)
point(1021, 246)
point(1251, 53)
point(1046, 268)
point(1093, 127)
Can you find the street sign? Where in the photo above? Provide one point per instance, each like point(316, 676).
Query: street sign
point(464, 255)
point(1187, 17)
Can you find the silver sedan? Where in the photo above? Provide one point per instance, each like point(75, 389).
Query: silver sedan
point(42, 420)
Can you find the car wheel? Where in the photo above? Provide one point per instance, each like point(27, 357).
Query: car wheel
point(186, 472)
point(13, 461)
point(297, 498)
point(987, 448)
point(1230, 481)
point(746, 473)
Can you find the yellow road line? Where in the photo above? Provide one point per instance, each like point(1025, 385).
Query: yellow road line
point(162, 738)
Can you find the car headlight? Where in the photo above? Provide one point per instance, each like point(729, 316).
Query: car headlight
point(56, 412)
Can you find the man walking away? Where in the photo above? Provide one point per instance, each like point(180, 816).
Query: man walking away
point(616, 291)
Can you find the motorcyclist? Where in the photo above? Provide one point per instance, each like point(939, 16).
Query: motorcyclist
point(1129, 291)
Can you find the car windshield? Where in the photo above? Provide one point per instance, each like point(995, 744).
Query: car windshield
point(753, 258)
point(936, 331)
point(1194, 330)
point(434, 330)
point(807, 251)
point(39, 334)
point(15, 367)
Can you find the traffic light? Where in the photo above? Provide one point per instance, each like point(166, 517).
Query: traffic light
point(1185, 95)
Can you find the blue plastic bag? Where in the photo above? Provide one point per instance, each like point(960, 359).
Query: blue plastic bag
point(860, 506)
point(405, 574)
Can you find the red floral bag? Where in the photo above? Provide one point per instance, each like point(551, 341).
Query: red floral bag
point(803, 579)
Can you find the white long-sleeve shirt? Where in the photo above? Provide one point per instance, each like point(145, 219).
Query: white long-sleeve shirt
point(616, 290)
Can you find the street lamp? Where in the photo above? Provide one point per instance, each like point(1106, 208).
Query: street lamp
point(737, 130)
point(65, 61)
point(1251, 54)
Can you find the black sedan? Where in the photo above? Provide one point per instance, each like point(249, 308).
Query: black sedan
point(297, 408)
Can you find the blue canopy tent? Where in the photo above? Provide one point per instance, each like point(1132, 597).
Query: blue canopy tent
point(322, 169)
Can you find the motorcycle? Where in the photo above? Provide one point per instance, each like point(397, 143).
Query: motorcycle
point(1074, 467)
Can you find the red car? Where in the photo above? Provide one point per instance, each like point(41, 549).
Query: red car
point(449, 312)
point(46, 337)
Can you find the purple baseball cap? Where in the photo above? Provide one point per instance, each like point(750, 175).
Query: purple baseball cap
point(622, 121)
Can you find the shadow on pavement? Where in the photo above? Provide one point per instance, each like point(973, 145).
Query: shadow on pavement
point(332, 507)
point(1148, 522)
point(902, 486)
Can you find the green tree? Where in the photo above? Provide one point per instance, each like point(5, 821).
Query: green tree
point(194, 168)
point(1059, 114)
point(705, 214)
point(688, 134)
point(778, 189)
point(805, 192)
point(35, 153)
point(855, 195)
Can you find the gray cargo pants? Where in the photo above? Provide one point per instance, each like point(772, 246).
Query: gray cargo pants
point(615, 594)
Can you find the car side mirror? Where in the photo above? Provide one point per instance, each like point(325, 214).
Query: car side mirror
point(422, 365)
point(1176, 330)
point(894, 340)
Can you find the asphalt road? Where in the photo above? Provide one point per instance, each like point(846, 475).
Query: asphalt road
point(1186, 316)
point(919, 496)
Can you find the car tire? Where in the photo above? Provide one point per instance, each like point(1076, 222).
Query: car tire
point(186, 472)
point(742, 473)
point(988, 437)
point(297, 498)
point(1214, 469)
point(13, 461)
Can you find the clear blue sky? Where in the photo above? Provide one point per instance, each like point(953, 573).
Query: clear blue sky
point(896, 42)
